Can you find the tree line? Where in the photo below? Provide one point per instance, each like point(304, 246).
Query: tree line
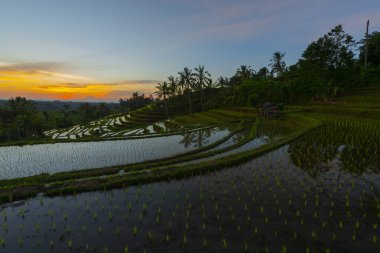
point(328, 67)
point(20, 119)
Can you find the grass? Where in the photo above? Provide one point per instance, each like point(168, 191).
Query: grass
point(367, 97)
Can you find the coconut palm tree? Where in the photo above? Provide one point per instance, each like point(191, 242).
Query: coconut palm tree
point(187, 81)
point(210, 84)
point(222, 82)
point(173, 85)
point(278, 65)
point(163, 91)
point(201, 78)
point(245, 72)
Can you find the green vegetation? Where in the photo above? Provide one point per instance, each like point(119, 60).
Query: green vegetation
point(327, 70)
point(20, 120)
point(201, 171)
point(314, 189)
point(136, 174)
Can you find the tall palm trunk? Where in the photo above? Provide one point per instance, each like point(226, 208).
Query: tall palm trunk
point(166, 107)
point(201, 99)
point(189, 98)
point(167, 110)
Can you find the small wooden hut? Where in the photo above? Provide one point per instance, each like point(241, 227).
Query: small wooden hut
point(269, 110)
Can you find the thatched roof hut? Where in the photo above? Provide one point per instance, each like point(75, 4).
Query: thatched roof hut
point(269, 110)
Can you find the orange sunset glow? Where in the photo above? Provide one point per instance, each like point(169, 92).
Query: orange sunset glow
point(44, 82)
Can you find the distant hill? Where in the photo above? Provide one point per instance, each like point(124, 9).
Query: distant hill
point(58, 105)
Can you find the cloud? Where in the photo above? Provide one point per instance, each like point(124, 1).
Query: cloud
point(222, 20)
point(238, 30)
point(241, 20)
point(138, 82)
point(116, 94)
point(38, 67)
point(357, 22)
point(46, 70)
point(248, 9)
point(67, 85)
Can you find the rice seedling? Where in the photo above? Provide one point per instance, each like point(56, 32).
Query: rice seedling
point(224, 244)
point(2, 242)
point(276, 197)
point(5, 226)
point(134, 230)
point(167, 237)
point(20, 242)
point(84, 228)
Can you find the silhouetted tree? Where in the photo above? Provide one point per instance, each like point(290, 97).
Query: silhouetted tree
point(263, 72)
point(187, 81)
point(278, 65)
point(201, 79)
point(328, 64)
point(244, 73)
point(163, 91)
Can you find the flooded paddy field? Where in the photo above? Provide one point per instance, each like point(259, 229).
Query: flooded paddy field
point(31, 160)
point(319, 193)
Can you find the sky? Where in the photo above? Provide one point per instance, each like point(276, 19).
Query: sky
point(98, 50)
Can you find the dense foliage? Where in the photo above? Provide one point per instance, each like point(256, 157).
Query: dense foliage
point(327, 69)
point(137, 100)
point(20, 119)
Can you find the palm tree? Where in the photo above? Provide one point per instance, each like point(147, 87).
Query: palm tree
point(201, 78)
point(210, 84)
point(278, 65)
point(245, 72)
point(173, 85)
point(163, 91)
point(187, 81)
point(222, 82)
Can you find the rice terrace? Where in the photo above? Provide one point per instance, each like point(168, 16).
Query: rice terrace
point(281, 158)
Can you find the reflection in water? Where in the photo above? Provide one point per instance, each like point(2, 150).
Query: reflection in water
point(264, 205)
point(267, 132)
point(344, 147)
point(52, 158)
point(199, 138)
